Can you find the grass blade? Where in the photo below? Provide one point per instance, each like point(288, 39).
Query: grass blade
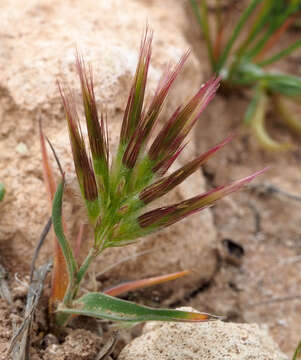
point(258, 125)
point(284, 84)
point(2, 191)
point(288, 117)
point(240, 24)
point(281, 54)
point(297, 352)
point(252, 106)
point(201, 15)
point(274, 39)
point(59, 232)
point(140, 284)
point(103, 306)
point(258, 25)
point(277, 25)
point(59, 273)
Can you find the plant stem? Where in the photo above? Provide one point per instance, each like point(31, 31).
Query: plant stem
point(85, 265)
point(62, 318)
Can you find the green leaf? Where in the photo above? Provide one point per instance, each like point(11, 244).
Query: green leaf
point(2, 191)
point(240, 24)
point(252, 107)
point(291, 119)
point(257, 123)
point(281, 54)
point(107, 307)
point(287, 85)
point(201, 14)
point(277, 18)
point(59, 232)
point(297, 352)
point(259, 23)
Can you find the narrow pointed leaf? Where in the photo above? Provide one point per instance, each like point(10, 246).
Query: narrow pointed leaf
point(259, 23)
point(284, 84)
point(276, 22)
point(240, 24)
point(140, 284)
point(107, 307)
point(2, 191)
point(281, 54)
point(297, 352)
point(201, 14)
point(274, 39)
point(257, 123)
point(59, 232)
point(47, 170)
point(60, 276)
point(292, 121)
point(252, 106)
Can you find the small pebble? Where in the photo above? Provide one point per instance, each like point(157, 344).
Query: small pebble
point(22, 149)
point(50, 339)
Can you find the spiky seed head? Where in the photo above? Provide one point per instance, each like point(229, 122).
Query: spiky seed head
point(135, 101)
point(172, 135)
point(166, 216)
point(164, 185)
point(134, 177)
point(97, 128)
point(82, 162)
point(150, 117)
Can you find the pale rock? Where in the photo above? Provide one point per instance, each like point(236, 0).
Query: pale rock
point(214, 340)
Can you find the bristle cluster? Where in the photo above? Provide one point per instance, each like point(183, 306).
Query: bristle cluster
point(167, 143)
point(116, 197)
point(133, 111)
point(97, 129)
point(82, 162)
point(164, 185)
point(150, 116)
point(166, 216)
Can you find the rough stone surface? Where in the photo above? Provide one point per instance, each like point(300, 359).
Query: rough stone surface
point(261, 279)
point(79, 345)
point(38, 42)
point(207, 341)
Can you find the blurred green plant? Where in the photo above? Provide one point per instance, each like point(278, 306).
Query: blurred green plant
point(242, 59)
point(2, 191)
point(117, 191)
point(297, 352)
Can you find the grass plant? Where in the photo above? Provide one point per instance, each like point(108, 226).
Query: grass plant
point(117, 189)
point(243, 60)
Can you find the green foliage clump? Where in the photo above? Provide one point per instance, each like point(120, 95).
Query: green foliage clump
point(242, 60)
